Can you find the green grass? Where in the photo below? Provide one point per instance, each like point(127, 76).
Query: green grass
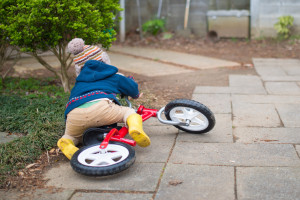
point(32, 108)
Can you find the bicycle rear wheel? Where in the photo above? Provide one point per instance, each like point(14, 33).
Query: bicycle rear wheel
point(90, 161)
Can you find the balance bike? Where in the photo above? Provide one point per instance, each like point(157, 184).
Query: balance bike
point(106, 151)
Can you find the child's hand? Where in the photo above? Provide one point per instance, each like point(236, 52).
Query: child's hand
point(141, 94)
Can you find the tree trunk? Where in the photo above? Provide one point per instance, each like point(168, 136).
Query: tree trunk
point(5, 54)
point(64, 78)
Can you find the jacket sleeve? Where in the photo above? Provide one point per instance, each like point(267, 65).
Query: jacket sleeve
point(128, 86)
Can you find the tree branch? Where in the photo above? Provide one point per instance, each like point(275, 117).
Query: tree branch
point(44, 63)
point(69, 65)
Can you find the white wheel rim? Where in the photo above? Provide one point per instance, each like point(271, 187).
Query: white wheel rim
point(198, 121)
point(95, 158)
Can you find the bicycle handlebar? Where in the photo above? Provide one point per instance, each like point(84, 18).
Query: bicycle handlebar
point(127, 101)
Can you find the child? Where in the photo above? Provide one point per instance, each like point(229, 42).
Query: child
point(82, 53)
point(93, 101)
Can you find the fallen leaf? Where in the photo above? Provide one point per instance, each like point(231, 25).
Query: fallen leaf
point(175, 182)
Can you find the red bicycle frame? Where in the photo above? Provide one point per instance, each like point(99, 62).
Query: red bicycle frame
point(118, 135)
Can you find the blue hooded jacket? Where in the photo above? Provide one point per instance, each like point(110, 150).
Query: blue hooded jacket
point(99, 80)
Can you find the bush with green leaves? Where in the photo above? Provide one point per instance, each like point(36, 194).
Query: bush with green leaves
point(40, 25)
point(284, 26)
point(6, 49)
point(154, 26)
point(34, 109)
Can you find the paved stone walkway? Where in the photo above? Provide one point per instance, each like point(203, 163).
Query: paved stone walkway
point(145, 61)
point(252, 153)
point(175, 58)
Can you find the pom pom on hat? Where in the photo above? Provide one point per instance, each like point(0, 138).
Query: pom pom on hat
point(76, 45)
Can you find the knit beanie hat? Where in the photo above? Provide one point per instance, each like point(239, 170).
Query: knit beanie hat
point(83, 53)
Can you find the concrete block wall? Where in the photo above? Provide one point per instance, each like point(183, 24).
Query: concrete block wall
point(197, 17)
point(265, 13)
point(174, 10)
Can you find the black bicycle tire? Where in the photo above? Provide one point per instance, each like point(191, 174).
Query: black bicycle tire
point(103, 171)
point(195, 105)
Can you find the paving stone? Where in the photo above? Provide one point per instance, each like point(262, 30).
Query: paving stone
point(162, 130)
point(196, 182)
point(235, 154)
point(266, 135)
point(139, 177)
point(211, 90)
point(289, 114)
point(185, 59)
point(248, 90)
point(246, 84)
point(217, 103)
point(281, 78)
point(277, 67)
point(265, 99)
point(278, 62)
point(268, 183)
point(5, 137)
point(298, 150)
point(144, 67)
point(244, 81)
point(45, 194)
point(293, 69)
point(282, 88)
point(153, 121)
point(261, 115)
point(110, 196)
point(270, 70)
point(222, 132)
point(162, 140)
point(264, 61)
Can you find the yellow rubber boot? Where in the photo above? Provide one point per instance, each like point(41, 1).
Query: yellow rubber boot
point(67, 147)
point(135, 125)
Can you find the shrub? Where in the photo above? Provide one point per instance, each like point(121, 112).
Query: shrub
point(284, 26)
point(41, 25)
point(154, 26)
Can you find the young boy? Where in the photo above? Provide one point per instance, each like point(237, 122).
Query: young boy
point(93, 101)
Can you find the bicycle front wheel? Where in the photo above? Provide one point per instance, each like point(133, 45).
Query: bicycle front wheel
point(199, 117)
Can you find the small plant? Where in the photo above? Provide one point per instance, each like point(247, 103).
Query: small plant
point(167, 36)
point(234, 39)
point(284, 26)
point(154, 26)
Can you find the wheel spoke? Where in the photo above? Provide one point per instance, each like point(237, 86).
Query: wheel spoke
point(198, 121)
point(108, 160)
point(96, 162)
point(115, 155)
point(194, 114)
point(92, 157)
point(180, 116)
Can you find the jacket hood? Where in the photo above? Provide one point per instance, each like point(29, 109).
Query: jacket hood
point(94, 70)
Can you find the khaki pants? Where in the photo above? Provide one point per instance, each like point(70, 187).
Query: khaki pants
point(101, 113)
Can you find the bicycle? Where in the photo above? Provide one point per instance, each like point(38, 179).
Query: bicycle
point(107, 152)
